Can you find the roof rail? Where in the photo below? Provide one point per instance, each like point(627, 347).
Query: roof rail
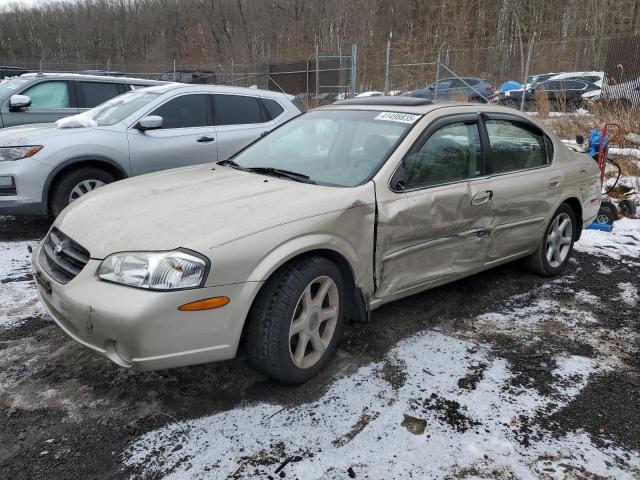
point(390, 100)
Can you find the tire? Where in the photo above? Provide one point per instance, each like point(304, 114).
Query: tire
point(539, 261)
point(627, 208)
point(609, 211)
point(273, 346)
point(84, 179)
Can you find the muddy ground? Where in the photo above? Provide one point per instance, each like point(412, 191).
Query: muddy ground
point(66, 413)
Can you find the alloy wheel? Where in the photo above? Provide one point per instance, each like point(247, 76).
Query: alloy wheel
point(314, 322)
point(559, 240)
point(83, 188)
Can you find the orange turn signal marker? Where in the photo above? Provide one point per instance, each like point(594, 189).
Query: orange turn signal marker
point(205, 304)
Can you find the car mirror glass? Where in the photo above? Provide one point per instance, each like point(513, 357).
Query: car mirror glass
point(18, 102)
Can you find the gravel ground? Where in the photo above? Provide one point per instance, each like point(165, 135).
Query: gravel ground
point(501, 375)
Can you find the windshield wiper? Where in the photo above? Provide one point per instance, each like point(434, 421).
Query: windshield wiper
point(231, 163)
point(277, 172)
point(298, 177)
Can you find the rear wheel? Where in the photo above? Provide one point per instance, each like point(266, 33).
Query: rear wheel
point(296, 321)
point(75, 184)
point(556, 245)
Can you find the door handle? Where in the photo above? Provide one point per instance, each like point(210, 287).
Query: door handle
point(264, 133)
point(481, 198)
point(554, 182)
point(205, 139)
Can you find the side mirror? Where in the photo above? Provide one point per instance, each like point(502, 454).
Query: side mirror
point(431, 87)
point(18, 102)
point(579, 139)
point(152, 122)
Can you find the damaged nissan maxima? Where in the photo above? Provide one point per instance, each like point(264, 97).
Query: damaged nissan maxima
point(326, 218)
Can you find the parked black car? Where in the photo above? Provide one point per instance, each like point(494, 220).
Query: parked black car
point(190, 76)
point(562, 94)
point(12, 71)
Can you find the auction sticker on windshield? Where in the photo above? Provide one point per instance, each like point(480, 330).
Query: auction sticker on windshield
point(397, 117)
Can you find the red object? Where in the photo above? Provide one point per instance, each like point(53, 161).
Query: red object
point(604, 145)
point(488, 87)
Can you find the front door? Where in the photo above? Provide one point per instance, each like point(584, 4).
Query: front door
point(435, 226)
point(50, 101)
point(187, 136)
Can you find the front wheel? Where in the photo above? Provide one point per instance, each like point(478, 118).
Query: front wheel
point(556, 245)
point(297, 319)
point(75, 184)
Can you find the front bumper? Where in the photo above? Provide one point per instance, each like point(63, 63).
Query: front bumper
point(144, 330)
point(29, 177)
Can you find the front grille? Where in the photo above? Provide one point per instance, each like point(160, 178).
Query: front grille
point(61, 257)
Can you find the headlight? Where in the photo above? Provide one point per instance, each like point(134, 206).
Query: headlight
point(154, 270)
point(17, 153)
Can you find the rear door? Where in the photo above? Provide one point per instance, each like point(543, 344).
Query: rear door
point(434, 224)
point(187, 136)
point(524, 182)
point(90, 94)
point(50, 101)
point(239, 120)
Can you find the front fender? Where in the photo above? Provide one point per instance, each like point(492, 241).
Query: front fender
point(348, 233)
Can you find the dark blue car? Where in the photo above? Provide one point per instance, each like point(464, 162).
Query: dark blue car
point(475, 89)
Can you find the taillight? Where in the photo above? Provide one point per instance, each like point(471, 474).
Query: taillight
point(488, 87)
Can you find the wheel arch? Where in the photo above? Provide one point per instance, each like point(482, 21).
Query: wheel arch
point(575, 205)
point(357, 300)
point(97, 161)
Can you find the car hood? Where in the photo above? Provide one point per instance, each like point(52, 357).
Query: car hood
point(193, 207)
point(35, 133)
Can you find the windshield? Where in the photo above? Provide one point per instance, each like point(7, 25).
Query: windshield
point(119, 108)
point(332, 147)
point(11, 87)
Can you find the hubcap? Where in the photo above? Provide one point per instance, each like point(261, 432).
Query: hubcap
point(602, 219)
point(314, 322)
point(83, 188)
point(559, 240)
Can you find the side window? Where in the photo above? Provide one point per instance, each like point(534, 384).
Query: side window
point(49, 95)
point(273, 108)
point(91, 94)
point(445, 83)
point(236, 110)
point(451, 153)
point(516, 147)
point(184, 111)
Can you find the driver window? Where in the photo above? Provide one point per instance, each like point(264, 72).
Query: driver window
point(49, 95)
point(450, 154)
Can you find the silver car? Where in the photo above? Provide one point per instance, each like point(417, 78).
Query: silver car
point(328, 217)
point(47, 97)
point(44, 167)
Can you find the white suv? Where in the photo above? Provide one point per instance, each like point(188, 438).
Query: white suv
point(44, 167)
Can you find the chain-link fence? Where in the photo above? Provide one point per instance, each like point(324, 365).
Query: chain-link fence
point(403, 65)
point(322, 75)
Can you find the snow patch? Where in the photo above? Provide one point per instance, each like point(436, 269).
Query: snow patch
point(358, 424)
point(628, 293)
point(81, 120)
point(18, 299)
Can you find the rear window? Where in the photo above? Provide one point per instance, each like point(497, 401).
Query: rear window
point(236, 110)
point(91, 94)
point(273, 108)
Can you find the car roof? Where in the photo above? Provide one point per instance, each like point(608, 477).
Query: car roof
point(421, 107)
point(212, 88)
point(563, 75)
point(100, 78)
